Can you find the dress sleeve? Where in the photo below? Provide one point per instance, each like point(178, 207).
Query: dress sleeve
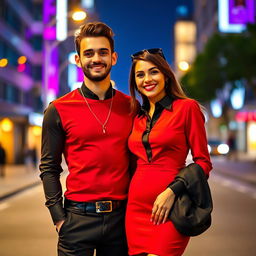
point(53, 138)
point(196, 136)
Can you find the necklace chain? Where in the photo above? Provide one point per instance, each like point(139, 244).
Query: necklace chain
point(103, 125)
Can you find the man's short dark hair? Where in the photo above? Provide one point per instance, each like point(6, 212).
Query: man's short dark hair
point(94, 29)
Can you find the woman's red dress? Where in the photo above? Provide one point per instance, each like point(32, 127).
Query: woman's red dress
point(177, 130)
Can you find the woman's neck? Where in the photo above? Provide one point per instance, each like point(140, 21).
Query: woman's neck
point(151, 108)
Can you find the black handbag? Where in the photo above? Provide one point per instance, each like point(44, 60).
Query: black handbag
point(191, 211)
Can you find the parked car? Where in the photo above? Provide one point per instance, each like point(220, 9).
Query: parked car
point(217, 147)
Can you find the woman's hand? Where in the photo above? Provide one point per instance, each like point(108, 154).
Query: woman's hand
point(162, 206)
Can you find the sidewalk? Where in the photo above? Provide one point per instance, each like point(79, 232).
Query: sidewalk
point(243, 169)
point(20, 177)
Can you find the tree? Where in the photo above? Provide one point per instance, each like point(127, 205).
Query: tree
point(226, 58)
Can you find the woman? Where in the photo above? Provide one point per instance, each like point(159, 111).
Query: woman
point(167, 126)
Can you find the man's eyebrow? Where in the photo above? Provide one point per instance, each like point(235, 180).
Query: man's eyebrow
point(104, 49)
point(101, 49)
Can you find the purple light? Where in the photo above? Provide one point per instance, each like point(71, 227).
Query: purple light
point(50, 33)
point(241, 11)
point(49, 14)
point(50, 54)
point(28, 34)
point(80, 75)
point(53, 72)
point(49, 10)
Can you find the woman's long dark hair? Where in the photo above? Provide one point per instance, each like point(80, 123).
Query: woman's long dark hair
point(172, 86)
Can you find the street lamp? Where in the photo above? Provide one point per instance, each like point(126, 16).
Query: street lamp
point(183, 66)
point(79, 15)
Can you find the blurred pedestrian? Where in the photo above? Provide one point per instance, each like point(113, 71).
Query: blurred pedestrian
point(2, 161)
point(30, 158)
point(90, 126)
point(33, 155)
point(232, 153)
point(167, 126)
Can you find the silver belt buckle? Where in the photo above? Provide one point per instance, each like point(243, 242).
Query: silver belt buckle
point(103, 206)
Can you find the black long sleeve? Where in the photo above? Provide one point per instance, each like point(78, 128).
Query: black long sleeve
point(53, 139)
point(177, 187)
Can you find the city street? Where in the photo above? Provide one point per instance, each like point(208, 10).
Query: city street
point(26, 228)
point(71, 76)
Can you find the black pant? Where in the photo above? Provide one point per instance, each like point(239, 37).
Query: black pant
point(80, 234)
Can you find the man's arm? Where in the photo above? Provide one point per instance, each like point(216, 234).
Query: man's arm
point(53, 140)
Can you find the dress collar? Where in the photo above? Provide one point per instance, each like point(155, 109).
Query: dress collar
point(165, 102)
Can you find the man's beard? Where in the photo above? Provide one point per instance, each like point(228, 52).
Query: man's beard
point(96, 78)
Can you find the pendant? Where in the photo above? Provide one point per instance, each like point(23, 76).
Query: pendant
point(103, 129)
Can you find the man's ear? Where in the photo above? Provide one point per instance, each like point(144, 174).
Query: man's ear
point(114, 58)
point(77, 59)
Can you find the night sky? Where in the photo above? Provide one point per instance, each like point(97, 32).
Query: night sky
point(139, 25)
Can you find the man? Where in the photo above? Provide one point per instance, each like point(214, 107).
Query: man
point(90, 126)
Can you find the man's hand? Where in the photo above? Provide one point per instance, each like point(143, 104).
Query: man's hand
point(59, 224)
point(162, 206)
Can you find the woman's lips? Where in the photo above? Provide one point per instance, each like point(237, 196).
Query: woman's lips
point(149, 87)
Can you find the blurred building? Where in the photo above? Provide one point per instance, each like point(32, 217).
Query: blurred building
point(184, 38)
point(20, 75)
point(31, 54)
point(228, 16)
point(185, 50)
point(206, 21)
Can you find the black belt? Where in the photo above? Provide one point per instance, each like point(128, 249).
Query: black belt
point(94, 207)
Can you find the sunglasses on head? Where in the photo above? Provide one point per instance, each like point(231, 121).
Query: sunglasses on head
point(151, 51)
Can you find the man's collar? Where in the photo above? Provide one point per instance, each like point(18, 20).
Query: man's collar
point(91, 95)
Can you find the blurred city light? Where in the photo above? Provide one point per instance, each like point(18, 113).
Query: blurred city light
point(75, 85)
point(21, 67)
point(182, 10)
point(233, 125)
point(233, 17)
point(36, 130)
point(251, 137)
point(216, 108)
point(209, 148)
point(51, 96)
point(72, 77)
point(79, 15)
point(3, 63)
point(61, 20)
point(223, 149)
point(87, 3)
point(237, 97)
point(113, 83)
point(22, 60)
point(252, 132)
point(71, 57)
point(6, 125)
point(183, 66)
point(35, 119)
